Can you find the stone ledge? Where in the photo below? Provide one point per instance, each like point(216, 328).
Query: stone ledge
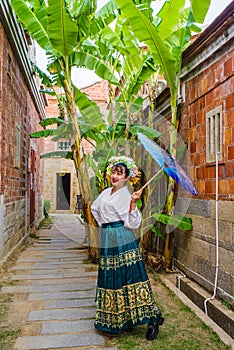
point(215, 310)
point(224, 336)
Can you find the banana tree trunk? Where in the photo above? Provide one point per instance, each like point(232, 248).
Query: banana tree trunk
point(168, 248)
point(83, 183)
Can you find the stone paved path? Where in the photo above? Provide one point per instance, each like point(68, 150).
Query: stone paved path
point(55, 290)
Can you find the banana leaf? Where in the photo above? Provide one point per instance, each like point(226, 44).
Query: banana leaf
point(61, 29)
point(35, 25)
point(181, 222)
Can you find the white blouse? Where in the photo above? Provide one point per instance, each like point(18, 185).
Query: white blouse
point(114, 207)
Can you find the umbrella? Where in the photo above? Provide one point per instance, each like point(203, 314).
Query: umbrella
point(167, 164)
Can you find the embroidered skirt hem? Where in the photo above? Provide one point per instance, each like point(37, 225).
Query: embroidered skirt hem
point(123, 296)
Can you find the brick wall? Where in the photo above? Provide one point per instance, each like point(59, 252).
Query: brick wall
point(208, 82)
point(18, 117)
point(209, 86)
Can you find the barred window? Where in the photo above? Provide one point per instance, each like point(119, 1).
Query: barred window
point(63, 145)
point(214, 137)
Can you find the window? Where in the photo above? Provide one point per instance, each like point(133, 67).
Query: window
point(214, 134)
point(64, 146)
point(9, 65)
point(17, 146)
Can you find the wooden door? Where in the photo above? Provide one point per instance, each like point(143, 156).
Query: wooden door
point(32, 187)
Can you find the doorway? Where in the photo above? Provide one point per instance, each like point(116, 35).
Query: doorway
point(32, 186)
point(63, 191)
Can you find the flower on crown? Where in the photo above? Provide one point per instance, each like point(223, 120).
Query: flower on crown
point(134, 173)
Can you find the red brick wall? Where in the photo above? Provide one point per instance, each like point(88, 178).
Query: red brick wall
point(211, 88)
point(17, 109)
point(17, 112)
point(98, 92)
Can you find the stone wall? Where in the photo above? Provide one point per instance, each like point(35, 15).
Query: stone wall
point(207, 83)
point(195, 251)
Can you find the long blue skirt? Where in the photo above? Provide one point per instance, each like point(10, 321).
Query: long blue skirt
point(123, 296)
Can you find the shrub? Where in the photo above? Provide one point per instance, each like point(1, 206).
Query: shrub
point(46, 207)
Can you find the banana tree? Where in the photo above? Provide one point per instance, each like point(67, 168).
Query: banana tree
point(166, 37)
point(62, 28)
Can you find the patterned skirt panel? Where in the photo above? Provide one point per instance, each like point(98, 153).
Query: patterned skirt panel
point(123, 296)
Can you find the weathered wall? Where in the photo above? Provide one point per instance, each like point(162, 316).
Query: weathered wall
point(56, 165)
point(19, 116)
point(98, 92)
point(207, 82)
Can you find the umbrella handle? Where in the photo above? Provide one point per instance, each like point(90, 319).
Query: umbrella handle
point(150, 179)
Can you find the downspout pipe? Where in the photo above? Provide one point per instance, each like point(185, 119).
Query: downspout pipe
point(216, 234)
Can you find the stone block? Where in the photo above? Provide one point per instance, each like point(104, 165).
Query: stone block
point(67, 326)
point(199, 224)
point(63, 314)
point(187, 259)
point(226, 259)
point(217, 312)
point(199, 207)
point(63, 304)
point(207, 227)
point(225, 209)
point(198, 247)
point(225, 284)
point(61, 295)
point(205, 269)
point(59, 341)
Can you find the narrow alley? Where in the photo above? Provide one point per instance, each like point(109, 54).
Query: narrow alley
point(55, 289)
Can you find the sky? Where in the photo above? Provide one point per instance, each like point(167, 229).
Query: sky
point(83, 77)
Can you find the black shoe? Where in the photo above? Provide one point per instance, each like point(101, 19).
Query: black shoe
point(153, 329)
point(129, 329)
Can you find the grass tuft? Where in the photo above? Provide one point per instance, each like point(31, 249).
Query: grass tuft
point(182, 329)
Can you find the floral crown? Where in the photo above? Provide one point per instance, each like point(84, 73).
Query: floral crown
point(134, 173)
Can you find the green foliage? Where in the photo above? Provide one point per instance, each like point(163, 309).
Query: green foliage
point(8, 335)
point(147, 33)
point(181, 222)
point(34, 236)
point(50, 121)
point(182, 329)
point(61, 29)
point(227, 305)
point(41, 133)
point(46, 207)
point(150, 132)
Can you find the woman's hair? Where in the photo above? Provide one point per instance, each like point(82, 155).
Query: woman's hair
point(120, 167)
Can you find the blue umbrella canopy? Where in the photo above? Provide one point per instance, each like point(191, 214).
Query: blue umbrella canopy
point(168, 164)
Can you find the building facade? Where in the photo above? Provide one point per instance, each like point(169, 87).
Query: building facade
point(207, 125)
point(61, 185)
point(21, 109)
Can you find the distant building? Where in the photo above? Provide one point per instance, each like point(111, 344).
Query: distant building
point(61, 185)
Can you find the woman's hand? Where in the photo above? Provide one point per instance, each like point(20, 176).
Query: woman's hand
point(135, 196)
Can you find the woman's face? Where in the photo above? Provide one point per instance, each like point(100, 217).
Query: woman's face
point(118, 176)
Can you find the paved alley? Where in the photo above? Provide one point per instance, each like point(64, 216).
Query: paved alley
point(55, 288)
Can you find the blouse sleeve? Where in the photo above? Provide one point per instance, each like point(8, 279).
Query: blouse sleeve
point(131, 219)
point(95, 209)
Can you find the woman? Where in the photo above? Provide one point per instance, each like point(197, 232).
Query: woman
point(123, 297)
